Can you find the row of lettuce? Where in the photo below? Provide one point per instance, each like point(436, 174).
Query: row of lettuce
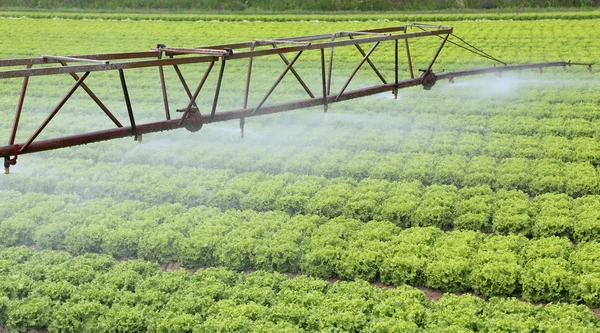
point(542, 269)
point(532, 176)
point(405, 204)
point(95, 293)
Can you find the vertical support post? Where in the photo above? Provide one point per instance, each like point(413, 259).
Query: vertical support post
point(324, 80)
point(218, 90)
point(247, 91)
point(13, 134)
point(410, 66)
point(396, 68)
point(128, 104)
point(163, 87)
point(330, 67)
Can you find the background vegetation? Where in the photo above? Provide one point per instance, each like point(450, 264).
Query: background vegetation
point(303, 5)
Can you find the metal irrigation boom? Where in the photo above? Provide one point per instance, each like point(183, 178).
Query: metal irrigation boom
point(191, 117)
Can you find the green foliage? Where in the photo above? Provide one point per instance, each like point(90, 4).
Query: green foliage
point(547, 279)
point(77, 317)
point(496, 273)
point(486, 193)
point(34, 312)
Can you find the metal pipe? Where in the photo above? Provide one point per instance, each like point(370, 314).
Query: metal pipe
point(68, 141)
point(62, 59)
point(102, 67)
point(108, 56)
point(165, 125)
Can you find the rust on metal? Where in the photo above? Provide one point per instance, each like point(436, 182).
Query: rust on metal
point(73, 59)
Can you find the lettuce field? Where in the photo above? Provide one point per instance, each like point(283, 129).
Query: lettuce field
point(473, 207)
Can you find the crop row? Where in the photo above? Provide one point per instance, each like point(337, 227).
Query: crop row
point(96, 293)
point(406, 204)
point(543, 269)
point(534, 177)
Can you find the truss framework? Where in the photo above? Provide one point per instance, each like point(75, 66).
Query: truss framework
point(191, 118)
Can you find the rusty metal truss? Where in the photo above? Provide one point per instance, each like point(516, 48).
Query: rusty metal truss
point(80, 67)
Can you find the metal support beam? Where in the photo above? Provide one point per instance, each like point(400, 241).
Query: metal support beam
point(362, 52)
point(324, 80)
point(281, 76)
point(357, 68)
point(128, 104)
point(330, 67)
point(54, 112)
point(183, 82)
point(218, 89)
point(13, 133)
point(192, 101)
point(396, 68)
point(163, 88)
point(437, 53)
point(95, 98)
point(247, 90)
point(410, 65)
point(296, 75)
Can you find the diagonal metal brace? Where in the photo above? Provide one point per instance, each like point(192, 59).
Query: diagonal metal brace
point(54, 112)
point(95, 98)
point(364, 59)
point(285, 60)
point(281, 76)
point(362, 52)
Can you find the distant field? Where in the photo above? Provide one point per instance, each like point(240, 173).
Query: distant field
point(488, 186)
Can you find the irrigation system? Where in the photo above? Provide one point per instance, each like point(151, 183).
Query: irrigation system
point(189, 116)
